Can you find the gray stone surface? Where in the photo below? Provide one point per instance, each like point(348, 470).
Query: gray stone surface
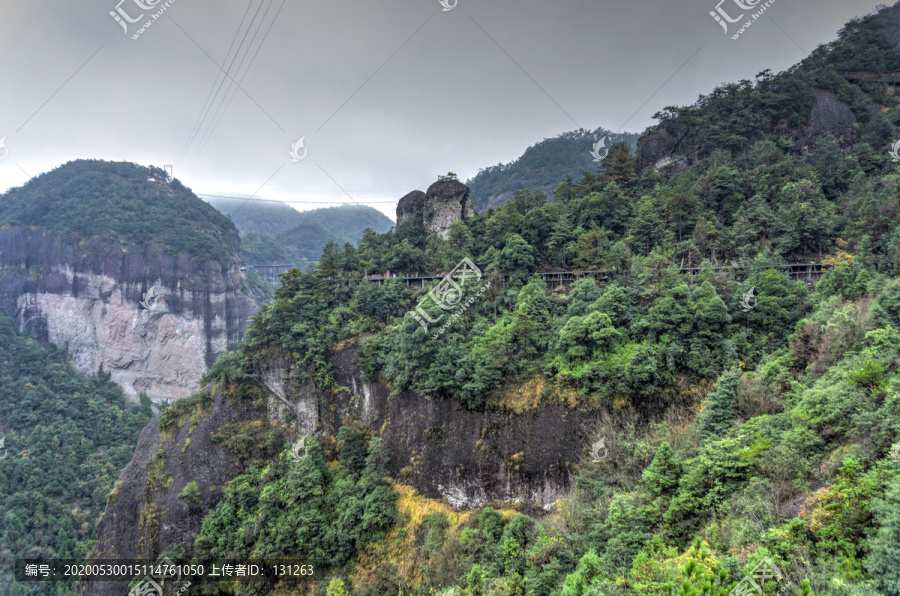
point(85, 297)
point(445, 202)
point(674, 145)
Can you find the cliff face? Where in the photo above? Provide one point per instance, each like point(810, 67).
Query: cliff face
point(86, 295)
point(410, 207)
point(676, 144)
point(144, 514)
point(437, 446)
point(445, 202)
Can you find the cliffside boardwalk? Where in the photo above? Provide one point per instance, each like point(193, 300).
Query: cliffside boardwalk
point(808, 272)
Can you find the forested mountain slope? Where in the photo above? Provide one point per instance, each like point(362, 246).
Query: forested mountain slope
point(726, 420)
point(65, 441)
point(543, 166)
point(277, 233)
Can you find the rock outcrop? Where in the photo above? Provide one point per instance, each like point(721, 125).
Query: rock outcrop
point(675, 144)
point(411, 207)
point(830, 115)
point(144, 514)
point(445, 202)
point(470, 458)
point(85, 296)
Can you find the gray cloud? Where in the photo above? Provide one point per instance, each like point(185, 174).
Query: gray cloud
point(388, 94)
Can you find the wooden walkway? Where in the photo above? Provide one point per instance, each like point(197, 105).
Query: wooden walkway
point(808, 272)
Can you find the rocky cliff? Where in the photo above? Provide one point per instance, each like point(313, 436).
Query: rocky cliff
point(87, 298)
point(445, 451)
point(84, 291)
point(445, 202)
point(677, 143)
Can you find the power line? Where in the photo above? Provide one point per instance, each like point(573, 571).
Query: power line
point(297, 202)
point(201, 116)
point(218, 84)
point(219, 116)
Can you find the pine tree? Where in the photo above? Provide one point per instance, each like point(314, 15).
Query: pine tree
point(660, 478)
point(619, 166)
point(718, 411)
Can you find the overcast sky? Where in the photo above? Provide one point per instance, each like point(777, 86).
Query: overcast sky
point(388, 93)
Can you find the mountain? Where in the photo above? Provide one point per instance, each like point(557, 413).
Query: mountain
point(306, 240)
point(346, 223)
point(260, 217)
point(678, 377)
point(275, 233)
point(543, 166)
point(261, 249)
point(135, 275)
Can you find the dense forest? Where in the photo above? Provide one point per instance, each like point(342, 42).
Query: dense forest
point(542, 166)
point(88, 198)
point(66, 440)
point(739, 433)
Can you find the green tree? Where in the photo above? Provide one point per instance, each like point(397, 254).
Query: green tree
point(591, 250)
point(336, 588)
point(883, 561)
point(661, 477)
point(516, 259)
point(719, 406)
point(648, 226)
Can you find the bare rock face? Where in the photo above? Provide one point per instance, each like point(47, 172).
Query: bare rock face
point(675, 145)
point(410, 207)
point(445, 202)
point(670, 146)
point(444, 450)
point(144, 514)
point(831, 115)
point(470, 458)
point(86, 297)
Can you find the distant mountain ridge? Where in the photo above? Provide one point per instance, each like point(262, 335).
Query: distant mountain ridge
point(276, 233)
point(263, 217)
point(543, 166)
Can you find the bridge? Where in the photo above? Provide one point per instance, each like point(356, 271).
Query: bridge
point(270, 273)
point(808, 272)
